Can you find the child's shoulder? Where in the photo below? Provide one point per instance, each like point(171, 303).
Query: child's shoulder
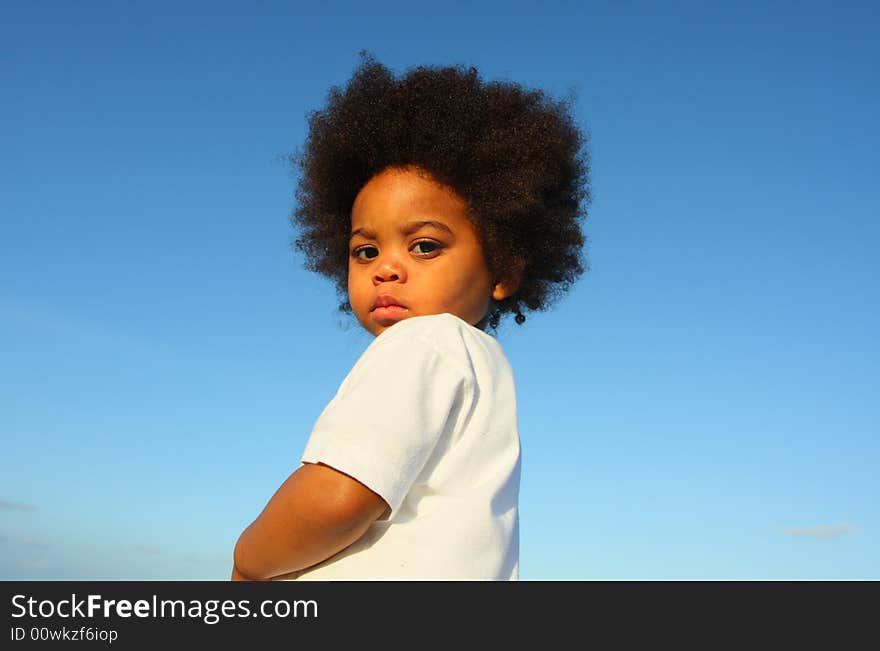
point(446, 335)
point(439, 329)
point(425, 354)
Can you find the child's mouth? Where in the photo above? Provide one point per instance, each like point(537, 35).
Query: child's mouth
point(388, 313)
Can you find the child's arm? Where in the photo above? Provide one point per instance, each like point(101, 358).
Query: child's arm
point(317, 512)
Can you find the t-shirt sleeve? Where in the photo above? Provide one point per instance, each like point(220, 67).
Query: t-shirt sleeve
point(401, 398)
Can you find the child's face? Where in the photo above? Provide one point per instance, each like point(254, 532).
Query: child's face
point(414, 252)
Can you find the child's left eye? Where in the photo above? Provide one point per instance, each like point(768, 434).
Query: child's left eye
point(425, 247)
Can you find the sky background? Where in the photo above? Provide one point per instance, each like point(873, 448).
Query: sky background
point(702, 405)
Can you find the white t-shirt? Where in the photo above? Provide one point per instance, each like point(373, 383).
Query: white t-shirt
point(427, 419)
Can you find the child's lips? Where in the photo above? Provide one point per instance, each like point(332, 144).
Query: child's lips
point(388, 312)
point(386, 301)
point(387, 308)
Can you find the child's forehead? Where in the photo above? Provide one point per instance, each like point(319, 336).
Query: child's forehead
point(395, 193)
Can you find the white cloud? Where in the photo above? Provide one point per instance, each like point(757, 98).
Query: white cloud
point(202, 558)
point(16, 506)
point(147, 549)
point(23, 541)
point(34, 564)
point(34, 543)
point(822, 531)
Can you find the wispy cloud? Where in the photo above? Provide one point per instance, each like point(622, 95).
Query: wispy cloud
point(16, 506)
point(45, 319)
point(821, 531)
point(23, 541)
point(147, 549)
point(202, 558)
point(34, 543)
point(34, 564)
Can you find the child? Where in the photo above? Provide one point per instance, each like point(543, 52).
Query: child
point(438, 204)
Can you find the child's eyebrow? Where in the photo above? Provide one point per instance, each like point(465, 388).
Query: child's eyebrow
point(409, 229)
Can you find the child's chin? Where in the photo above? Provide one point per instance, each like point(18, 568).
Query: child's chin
point(379, 324)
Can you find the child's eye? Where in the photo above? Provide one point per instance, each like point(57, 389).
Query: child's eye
point(365, 252)
point(425, 248)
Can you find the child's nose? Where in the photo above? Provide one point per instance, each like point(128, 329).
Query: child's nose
point(389, 269)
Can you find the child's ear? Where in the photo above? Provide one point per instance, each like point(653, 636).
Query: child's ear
point(507, 285)
point(503, 289)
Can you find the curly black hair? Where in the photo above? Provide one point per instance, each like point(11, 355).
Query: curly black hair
point(515, 155)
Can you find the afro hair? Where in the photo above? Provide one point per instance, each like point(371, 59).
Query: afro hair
point(514, 154)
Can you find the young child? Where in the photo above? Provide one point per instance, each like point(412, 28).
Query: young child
point(438, 204)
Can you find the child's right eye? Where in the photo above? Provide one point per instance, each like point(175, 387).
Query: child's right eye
point(365, 252)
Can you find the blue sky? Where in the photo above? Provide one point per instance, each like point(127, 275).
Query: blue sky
point(703, 404)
